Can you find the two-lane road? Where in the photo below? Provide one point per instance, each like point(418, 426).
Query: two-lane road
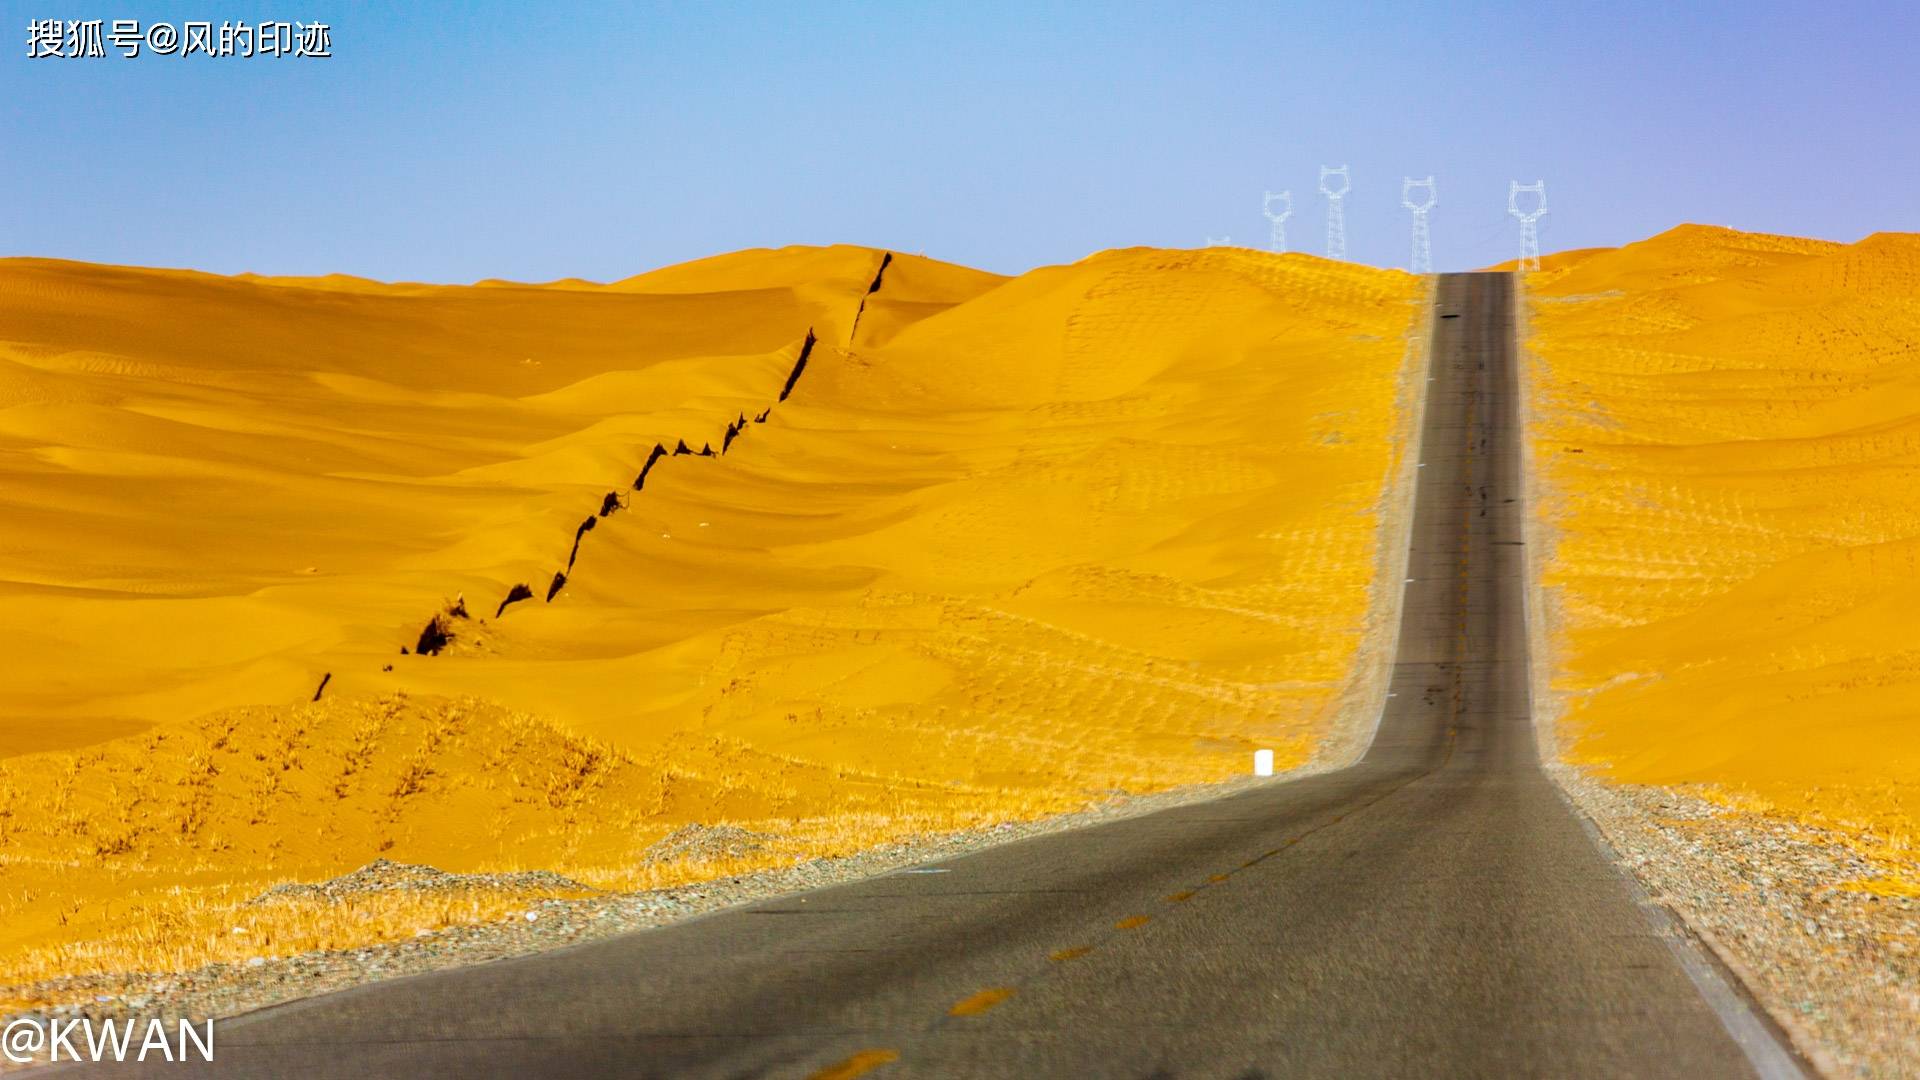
point(1435, 910)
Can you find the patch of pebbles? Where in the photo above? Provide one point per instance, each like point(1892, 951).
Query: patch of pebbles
point(383, 875)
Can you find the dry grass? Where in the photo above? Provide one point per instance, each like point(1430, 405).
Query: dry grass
point(182, 929)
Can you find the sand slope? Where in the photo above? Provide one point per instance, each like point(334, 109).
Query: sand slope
point(1729, 425)
point(1006, 546)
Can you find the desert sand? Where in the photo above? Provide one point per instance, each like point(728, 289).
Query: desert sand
point(1727, 435)
point(943, 549)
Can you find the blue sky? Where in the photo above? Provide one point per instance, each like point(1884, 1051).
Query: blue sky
point(457, 141)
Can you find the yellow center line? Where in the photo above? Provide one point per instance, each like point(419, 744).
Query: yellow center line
point(975, 1004)
point(1061, 956)
point(1133, 922)
point(858, 1065)
point(1180, 897)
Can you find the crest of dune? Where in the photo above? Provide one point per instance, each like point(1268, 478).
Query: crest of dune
point(922, 548)
point(1727, 428)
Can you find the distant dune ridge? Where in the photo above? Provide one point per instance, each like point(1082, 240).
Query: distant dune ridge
point(961, 549)
point(1728, 435)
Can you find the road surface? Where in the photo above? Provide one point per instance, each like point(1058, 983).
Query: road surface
point(1435, 910)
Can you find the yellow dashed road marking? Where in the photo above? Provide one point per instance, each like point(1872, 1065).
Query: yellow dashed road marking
point(1133, 921)
point(858, 1065)
point(1062, 955)
point(1185, 894)
point(1217, 878)
point(978, 1003)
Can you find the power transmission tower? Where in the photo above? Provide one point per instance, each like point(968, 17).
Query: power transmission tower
point(1529, 233)
point(1278, 242)
point(1336, 217)
point(1422, 240)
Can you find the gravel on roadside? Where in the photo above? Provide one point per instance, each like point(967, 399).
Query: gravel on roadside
point(1790, 909)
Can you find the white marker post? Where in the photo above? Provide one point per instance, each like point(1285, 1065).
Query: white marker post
point(1263, 763)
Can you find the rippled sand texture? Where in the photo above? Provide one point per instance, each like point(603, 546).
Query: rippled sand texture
point(1002, 548)
point(1728, 429)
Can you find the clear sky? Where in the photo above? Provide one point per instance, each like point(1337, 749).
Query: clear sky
point(456, 141)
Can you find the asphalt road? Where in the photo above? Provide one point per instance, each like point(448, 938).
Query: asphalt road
point(1436, 910)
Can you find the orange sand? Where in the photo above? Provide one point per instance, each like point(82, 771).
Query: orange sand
point(1728, 429)
point(1012, 546)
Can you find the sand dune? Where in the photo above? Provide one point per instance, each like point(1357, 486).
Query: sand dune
point(1005, 548)
point(1729, 428)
